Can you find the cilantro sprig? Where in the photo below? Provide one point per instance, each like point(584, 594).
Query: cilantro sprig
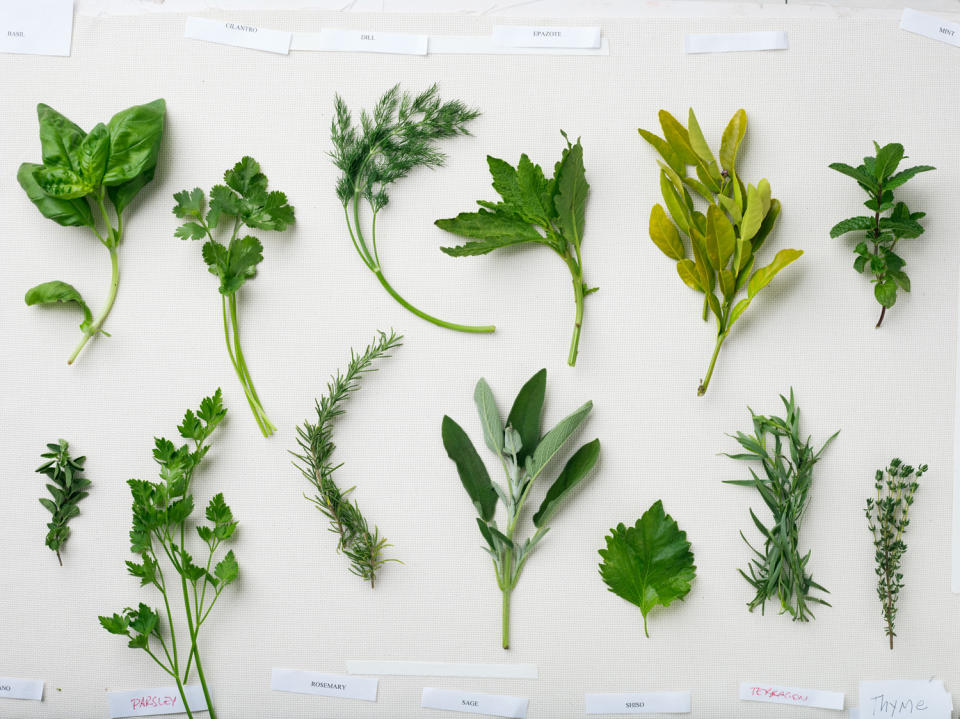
point(245, 201)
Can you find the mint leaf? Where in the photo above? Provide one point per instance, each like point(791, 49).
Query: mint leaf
point(650, 563)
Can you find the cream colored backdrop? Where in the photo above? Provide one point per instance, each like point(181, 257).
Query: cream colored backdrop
point(843, 83)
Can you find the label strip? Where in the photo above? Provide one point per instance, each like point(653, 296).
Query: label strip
point(485, 45)
point(474, 703)
point(736, 41)
point(36, 27)
point(536, 36)
point(331, 40)
point(442, 669)
point(775, 694)
point(237, 34)
point(931, 27)
point(13, 688)
point(639, 703)
point(151, 702)
point(326, 685)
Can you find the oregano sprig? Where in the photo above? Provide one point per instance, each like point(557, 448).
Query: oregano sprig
point(724, 241)
point(533, 210)
point(364, 547)
point(780, 572)
point(878, 177)
point(400, 135)
point(159, 535)
point(67, 488)
point(245, 201)
point(888, 516)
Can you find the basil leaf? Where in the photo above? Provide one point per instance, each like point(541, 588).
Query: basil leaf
point(69, 213)
point(60, 139)
point(55, 291)
point(135, 135)
point(94, 151)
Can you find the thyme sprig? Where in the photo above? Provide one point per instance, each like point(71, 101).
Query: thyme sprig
point(888, 517)
point(398, 136)
point(361, 545)
point(780, 571)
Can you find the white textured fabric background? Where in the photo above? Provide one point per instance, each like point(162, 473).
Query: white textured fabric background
point(842, 84)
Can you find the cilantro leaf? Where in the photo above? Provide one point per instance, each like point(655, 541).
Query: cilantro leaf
point(246, 178)
point(650, 563)
point(190, 204)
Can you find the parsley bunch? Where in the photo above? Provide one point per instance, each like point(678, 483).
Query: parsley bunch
point(244, 200)
point(161, 515)
point(400, 135)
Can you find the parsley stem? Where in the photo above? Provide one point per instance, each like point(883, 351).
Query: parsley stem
point(476, 329)
point(98, 321)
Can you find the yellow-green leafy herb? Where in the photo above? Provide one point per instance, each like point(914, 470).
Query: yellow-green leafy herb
point(725, 241)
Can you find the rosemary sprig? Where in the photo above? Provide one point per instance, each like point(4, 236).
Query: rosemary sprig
point(361, 545)
point(67, 489)
point(780, 571)
point(887, 518)
point(400, 135)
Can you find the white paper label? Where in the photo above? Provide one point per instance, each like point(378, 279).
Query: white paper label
point(901, 699)
point(534, 36)
point(441, 669)
point(13, 688)
point(361, 41)
point(639, 703)
point(736, 41)
point(932, 27)
point(36, 27)
point(326, 685)
point(775, 694)
point(150, 702)
point(238, 35)
point(474, 703)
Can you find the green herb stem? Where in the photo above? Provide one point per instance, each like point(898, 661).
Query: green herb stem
point(702, 389)
point(506, 616)
point(243, 373)
point(97, 324)
point(476, 329)
point(577, 276)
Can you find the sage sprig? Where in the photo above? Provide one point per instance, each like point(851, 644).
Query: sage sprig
point(724, 241)
point(80, 173)
point(364, 547)
point(523, 454)
point(878, 177)
point(159, 535)
point(888, 516)
point(534, 210)
point(67, 488)
point(400, 135)
point(780, 571)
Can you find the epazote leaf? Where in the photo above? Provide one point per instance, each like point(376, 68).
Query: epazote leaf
point(56, 291)
point(650, 563)
point(473, 473)
point(571, 193)
point(492, 230)
point(577, 467)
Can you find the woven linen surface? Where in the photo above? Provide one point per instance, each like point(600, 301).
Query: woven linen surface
point(842, 84)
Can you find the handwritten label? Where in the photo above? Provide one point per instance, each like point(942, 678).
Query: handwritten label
point(930, 26)
point(639, 703)
point(474, 703)
point(736, 41)
point(238, 35)
point(13, 688)
point(151, 702)
point(533, 36)
point(329, 40)
point(36, 27)
point(441, 669)
point(900, 699)
point(775, 694)
point(325, 685)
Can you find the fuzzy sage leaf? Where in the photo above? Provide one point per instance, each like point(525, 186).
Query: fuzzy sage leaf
point(517, 452)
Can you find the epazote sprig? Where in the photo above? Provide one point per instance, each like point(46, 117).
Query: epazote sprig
point(364, 547)
point(400, 135)
point(780, 571)
point(67, 488)
point(888, 516)
point(878, 177)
